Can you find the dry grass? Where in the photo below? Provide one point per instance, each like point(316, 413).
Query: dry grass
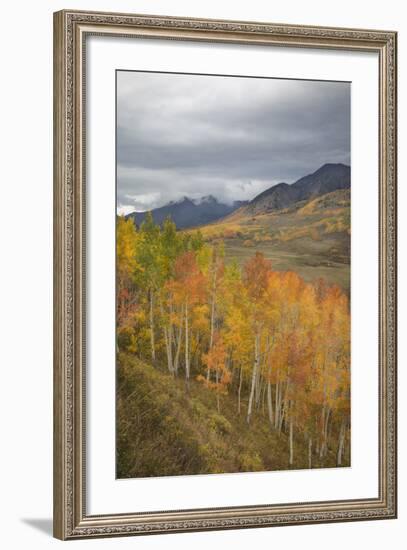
point(163, 429)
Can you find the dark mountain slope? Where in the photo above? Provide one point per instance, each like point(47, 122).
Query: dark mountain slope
point(189, 213)
point(328, 178)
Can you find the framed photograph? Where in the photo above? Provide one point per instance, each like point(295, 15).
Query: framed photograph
point(225, 274)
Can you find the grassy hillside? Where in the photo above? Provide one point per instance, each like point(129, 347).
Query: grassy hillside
point(311, 238)
point(165, 429)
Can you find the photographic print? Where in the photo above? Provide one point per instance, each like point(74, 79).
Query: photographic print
point(232, 274)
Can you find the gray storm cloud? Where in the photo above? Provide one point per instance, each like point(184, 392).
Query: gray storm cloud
point(231, 137)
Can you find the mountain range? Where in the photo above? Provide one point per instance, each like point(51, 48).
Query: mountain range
point(328, 178)
point(188, 213)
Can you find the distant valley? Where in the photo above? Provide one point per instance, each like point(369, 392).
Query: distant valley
point(303, 227)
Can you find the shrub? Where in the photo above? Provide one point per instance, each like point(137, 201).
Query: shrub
point(220, 424)
point(250, 462)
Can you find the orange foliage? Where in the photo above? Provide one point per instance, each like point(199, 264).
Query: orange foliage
point(271, 328)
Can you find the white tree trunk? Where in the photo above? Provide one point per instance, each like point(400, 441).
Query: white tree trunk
point(217, 392)
point(341, 443)
point(324, 446)
point(321, 448)
point(277, 407)
point(152, 338)
point(178, 350)
point(270, 403)
point(257, 386)
point(240, 390)
point(291, 441)
point(283, 409)
point(167, 348)
point(254, 376)
point(263, 399)
point(186, 343)
point(212, 329)
point(309, 452)
point(168, 340)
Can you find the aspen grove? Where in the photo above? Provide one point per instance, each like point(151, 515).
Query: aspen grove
point(275, 344)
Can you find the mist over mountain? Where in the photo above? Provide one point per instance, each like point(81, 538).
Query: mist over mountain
point(189, 212)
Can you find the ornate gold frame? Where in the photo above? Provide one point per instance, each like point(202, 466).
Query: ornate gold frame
point(70, 31)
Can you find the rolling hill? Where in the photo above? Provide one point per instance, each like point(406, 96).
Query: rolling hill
point(311, 237)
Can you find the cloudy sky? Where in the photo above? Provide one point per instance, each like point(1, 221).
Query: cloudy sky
point(231, 137)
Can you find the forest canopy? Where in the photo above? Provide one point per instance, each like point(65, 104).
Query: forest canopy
point(274, 346)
